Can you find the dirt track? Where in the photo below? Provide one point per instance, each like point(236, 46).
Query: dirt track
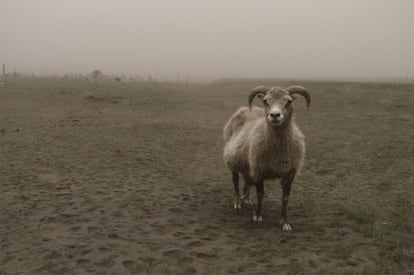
point(122, 179)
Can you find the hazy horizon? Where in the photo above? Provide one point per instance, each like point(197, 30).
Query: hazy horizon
point(210, 39)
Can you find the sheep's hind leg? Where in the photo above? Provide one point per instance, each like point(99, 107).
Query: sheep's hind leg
point(257, 216)
point(236, 200)
point(286, 186)
point(245, 198)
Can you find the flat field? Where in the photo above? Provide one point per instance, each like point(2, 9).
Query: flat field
point(117, 178)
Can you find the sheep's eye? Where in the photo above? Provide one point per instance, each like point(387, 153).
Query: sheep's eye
point(265, 102)
point(289, 102)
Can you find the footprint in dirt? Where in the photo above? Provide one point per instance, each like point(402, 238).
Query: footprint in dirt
point(83, 262)
point(128, 264)
point(52, 254)
point(173, 253)
point(194, 244)
point(205, 254)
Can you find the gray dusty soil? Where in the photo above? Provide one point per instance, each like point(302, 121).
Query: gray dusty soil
point(109, 178)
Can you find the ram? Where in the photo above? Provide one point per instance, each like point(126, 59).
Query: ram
point(265, 144)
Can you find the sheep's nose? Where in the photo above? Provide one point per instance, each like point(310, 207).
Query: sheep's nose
point(275, 115)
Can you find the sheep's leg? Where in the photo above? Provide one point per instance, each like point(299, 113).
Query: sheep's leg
point(246, 191)
point(286, 186)
point(257, 216)
point(236, 201)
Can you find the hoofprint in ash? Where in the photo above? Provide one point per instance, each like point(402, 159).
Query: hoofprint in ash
point(264, 144)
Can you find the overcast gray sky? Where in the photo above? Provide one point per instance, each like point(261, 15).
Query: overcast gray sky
point(210, 38)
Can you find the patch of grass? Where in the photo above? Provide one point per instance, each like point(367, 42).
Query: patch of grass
point(362, 218)
point(377, 269)
point(393, 226)
point(390, 225)
point(342, 253)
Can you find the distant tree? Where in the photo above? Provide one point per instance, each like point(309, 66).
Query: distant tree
point(96, 74)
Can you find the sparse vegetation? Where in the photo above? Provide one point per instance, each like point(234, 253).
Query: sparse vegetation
point(102, 177)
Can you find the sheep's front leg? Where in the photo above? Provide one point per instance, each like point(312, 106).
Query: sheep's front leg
point(286, 186)
point(236, 201)
point(257, 216)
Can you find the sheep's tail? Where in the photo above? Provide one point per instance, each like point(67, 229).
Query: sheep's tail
point(227, 131)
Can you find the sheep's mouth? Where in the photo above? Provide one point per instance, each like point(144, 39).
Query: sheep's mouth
point(275, 122)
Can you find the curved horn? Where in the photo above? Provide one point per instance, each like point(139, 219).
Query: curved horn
point(258, 90)
point(300, 90)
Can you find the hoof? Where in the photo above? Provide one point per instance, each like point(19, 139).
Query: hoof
point(247, 201)
point(257, 219)
point(286, 227)
point(236, 203)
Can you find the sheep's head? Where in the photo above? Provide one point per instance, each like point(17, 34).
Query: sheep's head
point(278, 102)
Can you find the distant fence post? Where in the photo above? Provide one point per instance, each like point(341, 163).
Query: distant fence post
point(4, 69)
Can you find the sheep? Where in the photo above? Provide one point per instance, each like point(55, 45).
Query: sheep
point(264, 144)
